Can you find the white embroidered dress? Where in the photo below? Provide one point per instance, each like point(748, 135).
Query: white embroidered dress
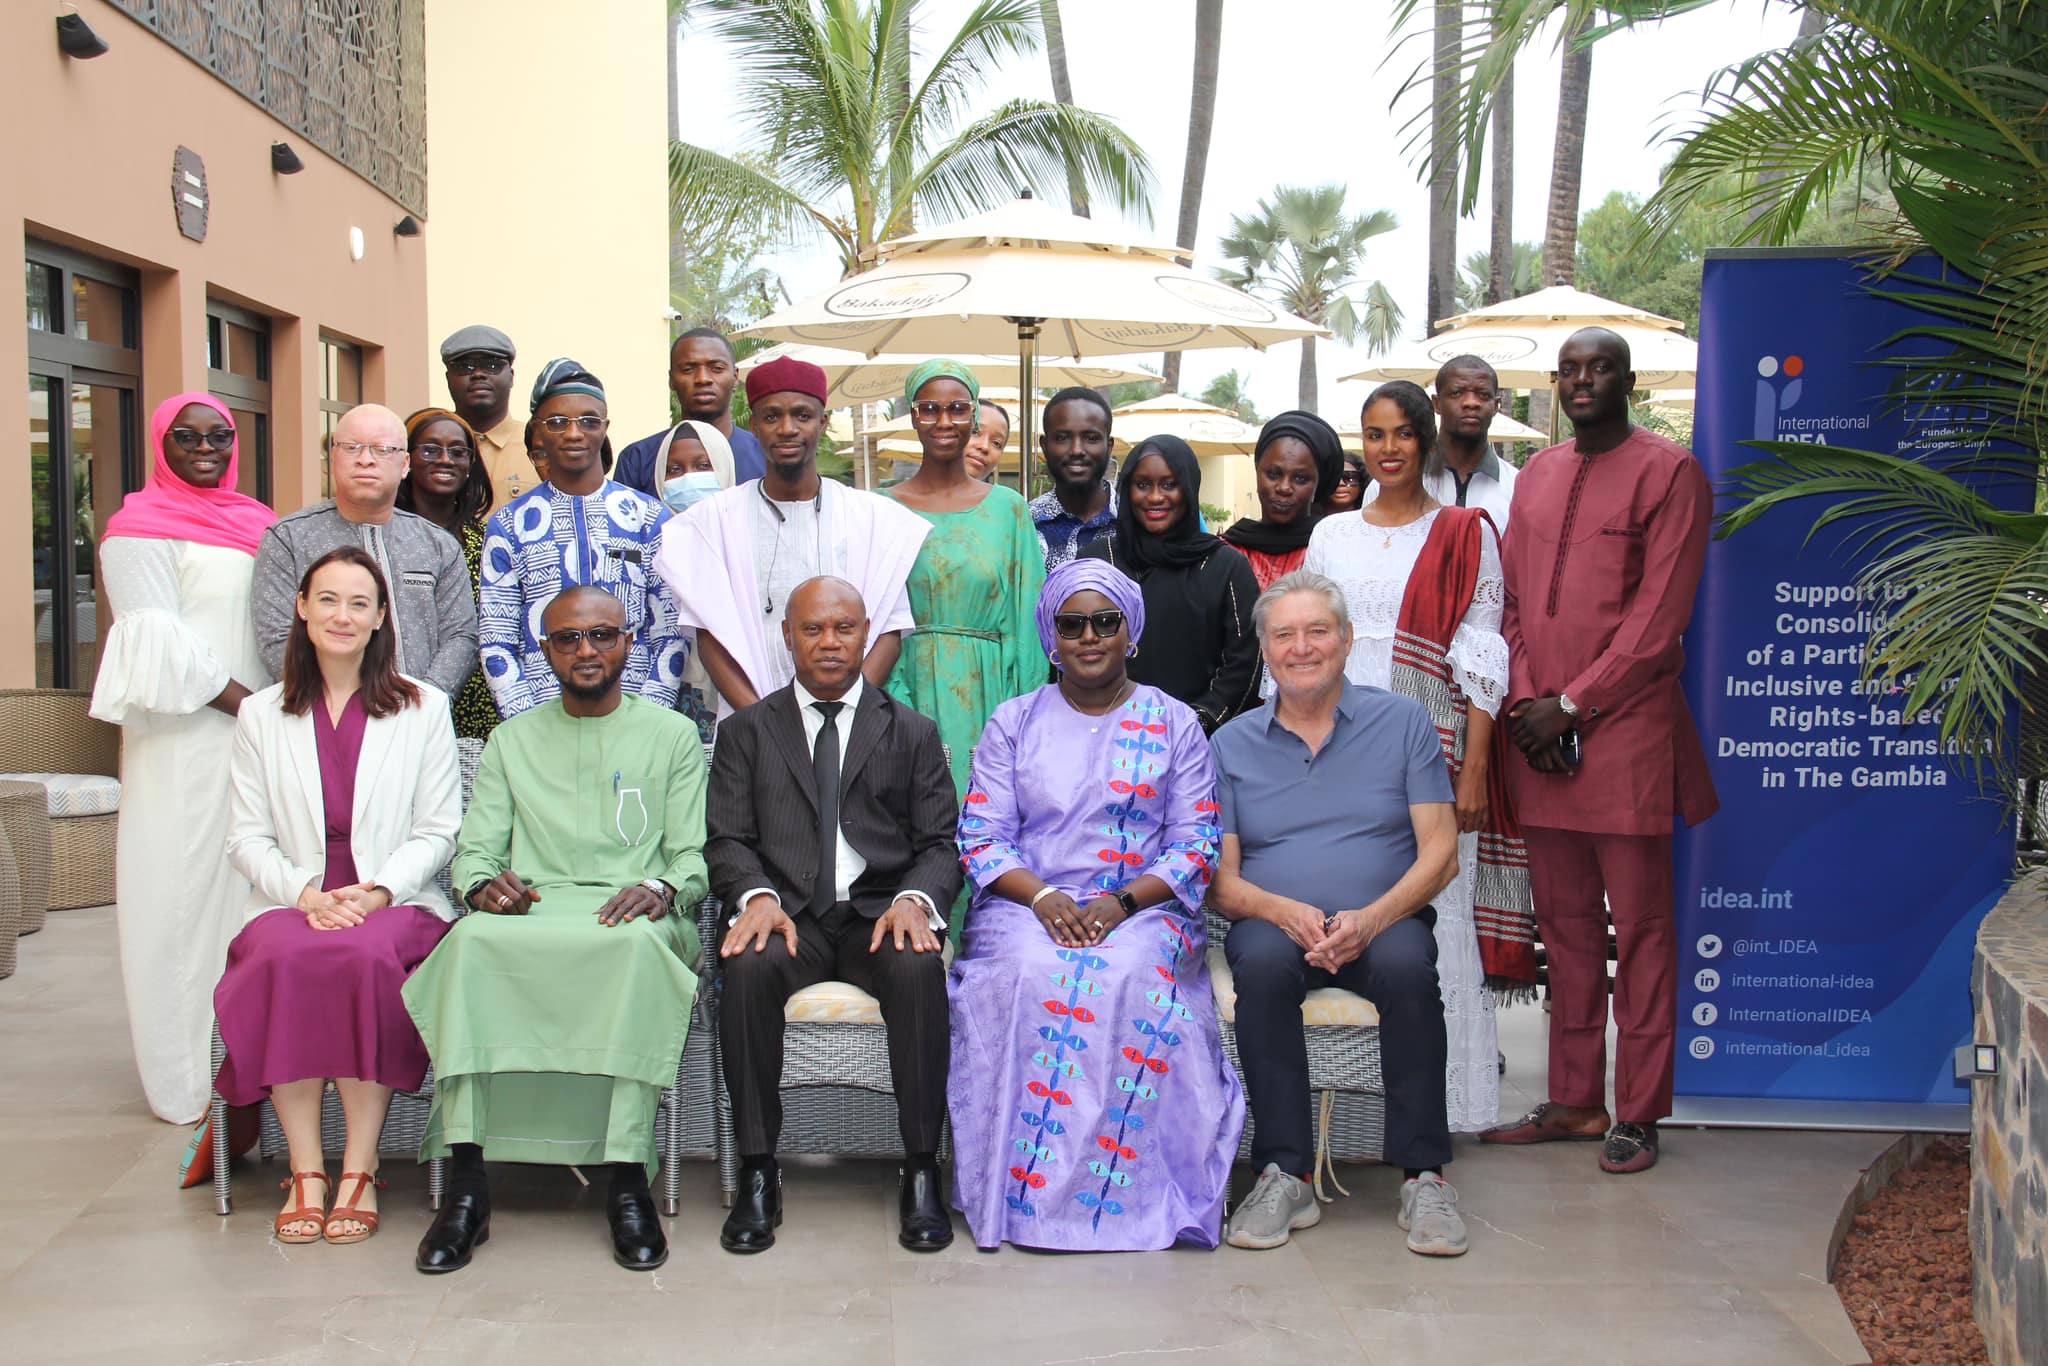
point(181, 630)
point(1372, 564)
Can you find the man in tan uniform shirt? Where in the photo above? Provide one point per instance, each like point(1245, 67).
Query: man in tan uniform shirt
point(479, 366)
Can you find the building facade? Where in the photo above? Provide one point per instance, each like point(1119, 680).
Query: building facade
point(164, 251)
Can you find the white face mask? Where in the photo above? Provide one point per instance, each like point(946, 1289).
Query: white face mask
point(686, 490)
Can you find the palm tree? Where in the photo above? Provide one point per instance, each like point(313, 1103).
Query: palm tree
point(1228, 390)
point(1477, 277)
point(1303, 251)
point(1567, 158)
point(1941, 100)
point(1062, 89)
point(844, 140)
point(1201, 120)
point(1443, 162)
point(1500, 242)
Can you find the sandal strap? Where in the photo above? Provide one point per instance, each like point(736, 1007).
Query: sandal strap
point(297, 1177)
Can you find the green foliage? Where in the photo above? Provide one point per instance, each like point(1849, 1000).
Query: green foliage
point(1302, 250)
point(1132, 391)
point(1926, 117)
point(1525, 277)
point(848, 138)
point(1215, 517)
point(1227, 391)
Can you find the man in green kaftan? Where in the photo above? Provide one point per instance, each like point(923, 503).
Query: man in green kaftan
point(555, 1015)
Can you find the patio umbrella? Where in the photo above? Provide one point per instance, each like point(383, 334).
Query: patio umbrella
point(1520, 339)
point(1025, 271)
point(855, 378)
point(1209, 430)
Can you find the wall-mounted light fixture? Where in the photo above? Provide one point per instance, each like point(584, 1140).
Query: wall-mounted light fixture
point(284, 160)
point(407, 226)
point(75, 37)
point(1975, 1061)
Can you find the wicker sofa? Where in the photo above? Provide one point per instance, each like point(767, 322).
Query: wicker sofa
point(49, 734)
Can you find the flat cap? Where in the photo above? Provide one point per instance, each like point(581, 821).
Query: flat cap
point(477, 337)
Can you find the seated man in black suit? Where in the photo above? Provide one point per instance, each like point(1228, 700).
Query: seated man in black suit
point(830, 838)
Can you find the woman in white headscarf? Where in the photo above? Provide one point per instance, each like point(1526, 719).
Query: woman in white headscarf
point(694, 462)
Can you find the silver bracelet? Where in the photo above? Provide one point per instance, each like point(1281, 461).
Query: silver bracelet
point(1043, 892)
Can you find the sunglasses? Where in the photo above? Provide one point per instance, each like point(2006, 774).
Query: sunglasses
point(603, 639)
point(589, 422)
point(1071, 624)
point(928, 411)
point(1351, 477)
point(219, 439)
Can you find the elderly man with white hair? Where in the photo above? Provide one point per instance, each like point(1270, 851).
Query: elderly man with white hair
point(1338, 829)
point(432, 604)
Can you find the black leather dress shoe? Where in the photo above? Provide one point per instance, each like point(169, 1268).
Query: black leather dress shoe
point(926, 1225)
point(756, 1210)
point(638, 1244)
point(462, 1226)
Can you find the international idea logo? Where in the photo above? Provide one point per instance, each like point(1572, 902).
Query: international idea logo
point(1778, 385)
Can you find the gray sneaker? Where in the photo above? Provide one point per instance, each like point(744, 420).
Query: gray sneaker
point(1277, 1206)
point(1429, 1213)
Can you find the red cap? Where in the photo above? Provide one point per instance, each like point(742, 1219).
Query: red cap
point(785, 376)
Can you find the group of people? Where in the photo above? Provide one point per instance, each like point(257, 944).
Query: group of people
point(993, 762)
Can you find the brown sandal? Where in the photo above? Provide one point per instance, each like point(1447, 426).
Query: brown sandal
point(345, 1211)
point(315, 1214)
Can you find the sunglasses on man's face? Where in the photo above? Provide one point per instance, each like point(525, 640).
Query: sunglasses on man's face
point(1070, 624)
point(603, 639)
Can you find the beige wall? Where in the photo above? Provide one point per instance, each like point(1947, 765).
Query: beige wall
point(547, 174)
point(1229, 481)
point(86, 163)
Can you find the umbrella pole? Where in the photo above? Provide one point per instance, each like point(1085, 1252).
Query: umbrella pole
point(1027, 347)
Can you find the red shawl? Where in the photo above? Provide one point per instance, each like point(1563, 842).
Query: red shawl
point(1439, 594)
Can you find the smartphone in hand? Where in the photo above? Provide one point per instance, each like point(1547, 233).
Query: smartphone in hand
point(1568, 747)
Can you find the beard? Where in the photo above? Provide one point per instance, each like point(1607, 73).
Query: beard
point(595, 692)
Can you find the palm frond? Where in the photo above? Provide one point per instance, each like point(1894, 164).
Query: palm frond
point(1031, 144)
point(710, 192)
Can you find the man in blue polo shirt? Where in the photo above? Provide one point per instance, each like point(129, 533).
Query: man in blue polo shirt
point(701, 371)
point(1338, 828)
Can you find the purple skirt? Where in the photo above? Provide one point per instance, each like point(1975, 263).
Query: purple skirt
point(296, 1003)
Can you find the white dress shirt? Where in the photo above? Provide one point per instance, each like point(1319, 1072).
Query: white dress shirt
point(1492, 486)
point(847, 863)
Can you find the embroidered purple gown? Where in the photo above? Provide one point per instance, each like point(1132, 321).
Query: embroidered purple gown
point(1093, 1109)
point(297, 1003)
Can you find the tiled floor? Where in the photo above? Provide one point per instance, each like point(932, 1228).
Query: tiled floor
point(1716, 1256)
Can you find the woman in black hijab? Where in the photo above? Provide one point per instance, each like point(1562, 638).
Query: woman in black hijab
point(1298, 461)
point(1199, 644)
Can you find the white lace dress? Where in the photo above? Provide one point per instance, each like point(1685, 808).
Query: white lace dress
point(181, 631)
point(1373, 564)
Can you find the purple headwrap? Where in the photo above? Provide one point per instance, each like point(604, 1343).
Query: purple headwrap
point(1081, 576)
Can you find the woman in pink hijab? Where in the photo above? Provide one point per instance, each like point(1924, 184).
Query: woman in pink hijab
point(177, 561)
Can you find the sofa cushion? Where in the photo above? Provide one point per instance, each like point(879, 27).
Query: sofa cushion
point(74, 794)
point(1325, 1007)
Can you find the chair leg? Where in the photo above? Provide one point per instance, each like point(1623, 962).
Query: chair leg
point(217, 1124)
point(671, 1157)
point(723, 1137)
point(437, 1182)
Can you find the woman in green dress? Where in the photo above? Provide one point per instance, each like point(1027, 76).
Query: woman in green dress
point(975, 586)
point(450, 487)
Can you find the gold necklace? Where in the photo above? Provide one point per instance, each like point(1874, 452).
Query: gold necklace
point(1121, 693)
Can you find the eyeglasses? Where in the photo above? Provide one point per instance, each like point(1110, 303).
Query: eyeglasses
point(1070, 624)
point(469, 365)
point(927, 410)
point(1351, 477)
point(586, 423)
point(352, 449)
point(434, 454)
point(219, 439)
point(603, 639)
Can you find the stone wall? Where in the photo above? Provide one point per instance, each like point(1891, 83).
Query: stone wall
point(2009, 1121)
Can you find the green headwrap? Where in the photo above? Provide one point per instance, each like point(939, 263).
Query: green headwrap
point(939, 367)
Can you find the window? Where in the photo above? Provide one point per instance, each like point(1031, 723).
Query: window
point(238, 374)
point(341, 388)
point(85, 444)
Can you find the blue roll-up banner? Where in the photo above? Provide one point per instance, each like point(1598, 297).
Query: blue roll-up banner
point(1827, 914)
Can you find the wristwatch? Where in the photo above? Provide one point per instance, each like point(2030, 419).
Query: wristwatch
point(1570, 707)
point(660, 889)
point(1128, 902)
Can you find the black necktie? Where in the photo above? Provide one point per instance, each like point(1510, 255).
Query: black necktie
point(825, 777)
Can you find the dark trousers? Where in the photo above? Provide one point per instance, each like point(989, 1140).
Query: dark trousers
point(911, 988)
point(1568, 872)
point(1397, 973)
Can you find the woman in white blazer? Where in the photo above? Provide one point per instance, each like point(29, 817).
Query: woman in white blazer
point(343, 804)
